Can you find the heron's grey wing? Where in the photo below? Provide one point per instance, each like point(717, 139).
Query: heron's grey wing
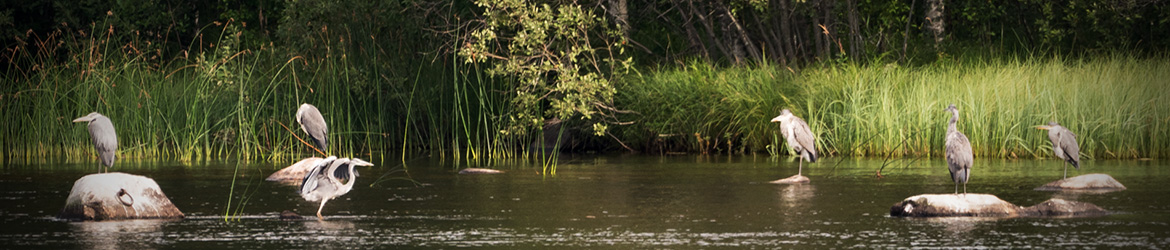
point(804, 137)
point(314, 174)
point(1068, 143)
point(314, 125)
point(341, 170)
point(105, 140)
point(959, 152)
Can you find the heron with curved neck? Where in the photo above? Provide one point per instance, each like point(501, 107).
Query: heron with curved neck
point(325, 181)
point(1064, 145)
point(103, 137)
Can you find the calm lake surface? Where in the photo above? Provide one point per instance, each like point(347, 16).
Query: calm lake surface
point(614, 201)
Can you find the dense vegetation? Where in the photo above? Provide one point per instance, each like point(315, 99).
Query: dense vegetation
point(482, 80)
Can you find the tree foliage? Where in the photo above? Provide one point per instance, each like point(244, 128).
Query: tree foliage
point(561, 55)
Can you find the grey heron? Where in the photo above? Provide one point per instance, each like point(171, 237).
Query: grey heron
point(1064, 145)
point(330, 178)
point(101, 133)
point(958, 152)
point(799, 137)
point(313, 124)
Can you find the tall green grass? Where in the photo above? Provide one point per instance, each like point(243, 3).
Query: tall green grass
point(217, 100)
point(1115, 104)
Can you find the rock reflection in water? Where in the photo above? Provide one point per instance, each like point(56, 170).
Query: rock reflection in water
point(328, 225)
point(795, 195)
point(958, 225)
point(122, 234)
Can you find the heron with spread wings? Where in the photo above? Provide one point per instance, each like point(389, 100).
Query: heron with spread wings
point(329, 179)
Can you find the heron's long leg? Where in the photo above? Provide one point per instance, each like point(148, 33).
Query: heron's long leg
point(1065, 165)
point(956, 187)
point(799, 165)
point(964, 188)
point(319, 217)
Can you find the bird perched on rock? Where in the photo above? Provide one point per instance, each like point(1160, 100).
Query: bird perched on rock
point(958, 152)
point(101, 133)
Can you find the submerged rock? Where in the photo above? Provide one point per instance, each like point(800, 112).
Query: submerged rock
point(117, 196)
point(1100, 182)
point(791, 180)
point(290, 215)
point(986, 205)
point(1056, 207)
point(480, 171)
point(295, 172)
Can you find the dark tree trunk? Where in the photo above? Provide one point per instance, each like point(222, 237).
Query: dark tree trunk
point(827, 29)
point(739, 37)
point(786, 39)
point(709, 27)
point(906, 34)
point(856, 42)
point(694, 39)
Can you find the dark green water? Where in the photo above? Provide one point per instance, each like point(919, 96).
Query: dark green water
point(598, 202)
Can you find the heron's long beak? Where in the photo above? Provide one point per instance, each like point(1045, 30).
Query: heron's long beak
point(82, 119)
point(777, 119)
point(360, 162)
point(1042, 127)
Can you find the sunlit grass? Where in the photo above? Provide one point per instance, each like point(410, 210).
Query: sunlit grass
point(224, 102)
point(1115, 104)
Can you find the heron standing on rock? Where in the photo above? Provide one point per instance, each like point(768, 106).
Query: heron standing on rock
point(799, 137)
point(330, 178)
point(313, 124)
point(1064, 145)
point(101, 133)
point(958, 154)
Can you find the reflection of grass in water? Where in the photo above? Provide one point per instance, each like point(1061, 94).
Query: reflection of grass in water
point(400, 168)
point(244, 196)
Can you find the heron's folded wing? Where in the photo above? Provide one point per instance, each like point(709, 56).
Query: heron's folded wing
point(804, 137)
point(1068, 143)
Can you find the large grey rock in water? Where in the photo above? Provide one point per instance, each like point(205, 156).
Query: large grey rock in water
point(1063, 208)
point(295, 172)
point(117, 196)
point(1084, 182)
point(986, 205)
point(795, 179)
point(932, 205)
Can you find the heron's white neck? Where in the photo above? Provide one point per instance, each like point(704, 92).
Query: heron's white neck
point(954, 120)
point(350, 179)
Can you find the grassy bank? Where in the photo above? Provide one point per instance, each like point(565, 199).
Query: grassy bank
point(219, 101)
point(1115, 104)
